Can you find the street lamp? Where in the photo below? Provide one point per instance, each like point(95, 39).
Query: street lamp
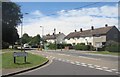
point(22, 29)
point(42, 34)
point(55, 38)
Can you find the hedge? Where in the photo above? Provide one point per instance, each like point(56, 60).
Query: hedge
point(113, 48)
point(82, 47)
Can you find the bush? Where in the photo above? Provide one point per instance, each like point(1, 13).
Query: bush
point(52, 46)
point(82, 47)
point(112, 46)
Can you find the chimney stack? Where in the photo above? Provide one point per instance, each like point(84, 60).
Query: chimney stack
point(53, 34)
point(59, 32)
point(92, 27)
point(106, 25)
point(75, 30)
point(81, 30)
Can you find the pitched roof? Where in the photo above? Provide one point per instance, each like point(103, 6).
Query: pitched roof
point(100, 31)
point(47, 37)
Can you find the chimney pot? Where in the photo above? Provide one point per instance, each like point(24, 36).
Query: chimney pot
point(81, 30)
point(75, 30)
point(106, 25)
point(92, 27)
point(59, 32)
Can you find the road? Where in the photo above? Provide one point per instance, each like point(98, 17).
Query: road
point(75, 63)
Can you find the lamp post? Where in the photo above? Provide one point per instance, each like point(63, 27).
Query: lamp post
point(22, 29)
point(55, 38)
point(42, 34)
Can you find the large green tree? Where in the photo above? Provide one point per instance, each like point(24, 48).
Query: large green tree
point(26, 38)
point(11, 17)
point(36, 40)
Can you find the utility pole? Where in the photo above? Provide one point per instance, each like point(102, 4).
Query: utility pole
point(22, 29)
point(42, 35)
point(55, 38)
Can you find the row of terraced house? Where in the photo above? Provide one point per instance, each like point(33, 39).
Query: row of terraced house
point(96, 37)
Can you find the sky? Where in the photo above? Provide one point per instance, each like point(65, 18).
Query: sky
point(66, 16)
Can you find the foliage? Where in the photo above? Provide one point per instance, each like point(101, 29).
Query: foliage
point(11, 17)
point(52, 46)
point(26, 38)
point(5, 45)
point(82, 47)
point(32, 60)
point(112, 46)
point(35, 40)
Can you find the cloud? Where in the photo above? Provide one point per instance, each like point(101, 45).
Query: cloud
point(104, 11)
point(37, 13)
point(68, 21)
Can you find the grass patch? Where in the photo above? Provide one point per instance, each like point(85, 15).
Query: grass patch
point(9, 50)
point(106, 53)
point(32, 60)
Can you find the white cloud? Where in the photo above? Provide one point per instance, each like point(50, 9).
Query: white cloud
point(67, 22)
point(37, 13)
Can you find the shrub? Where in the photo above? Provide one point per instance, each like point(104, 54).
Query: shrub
point(82, 47)
point(52, 46)
point(112, 46)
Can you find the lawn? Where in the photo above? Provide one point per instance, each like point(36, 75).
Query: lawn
point(106, 53)
point(32, 60)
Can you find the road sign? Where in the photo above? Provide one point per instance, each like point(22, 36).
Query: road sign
point(20, 54)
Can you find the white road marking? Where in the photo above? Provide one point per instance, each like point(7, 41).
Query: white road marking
point(96, 65)
point(117, 72)
point(88, 58)
point(105, 67)
point(99, 68)
point(114, 69)
point(72, 62)
point(108, 70)
point(83, 65)
point(91, 66)
point(77, 64)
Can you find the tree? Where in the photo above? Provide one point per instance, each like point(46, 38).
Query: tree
point(11, 17)
point(26, 38)
point(36, 40)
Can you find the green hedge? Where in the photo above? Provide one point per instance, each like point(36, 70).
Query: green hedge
point(82, 47)
point(113, 48)
point(52, 46)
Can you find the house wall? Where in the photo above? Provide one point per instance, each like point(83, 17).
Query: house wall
point(113, 34)
point(85, 40)
point(51, 41)
point(97, 41)
point(60, 38)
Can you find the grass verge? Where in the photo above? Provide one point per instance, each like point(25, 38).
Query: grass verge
point(32, 60)
point(106, 53)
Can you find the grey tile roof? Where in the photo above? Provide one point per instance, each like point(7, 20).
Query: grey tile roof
point(97, 31)
point(47, 37)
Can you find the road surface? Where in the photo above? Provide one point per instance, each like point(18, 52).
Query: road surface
point(75, 63)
